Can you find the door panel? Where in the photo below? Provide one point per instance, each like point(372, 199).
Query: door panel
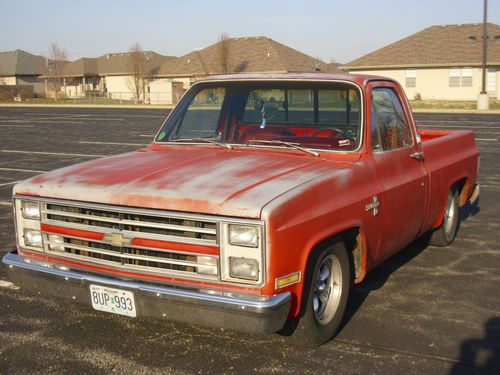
point(402, 177)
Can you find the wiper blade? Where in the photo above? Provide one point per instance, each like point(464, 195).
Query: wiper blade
point(201, 140)
point(283, 143)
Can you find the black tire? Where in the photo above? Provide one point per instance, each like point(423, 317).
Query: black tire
point(445, 234)
point(328, 281)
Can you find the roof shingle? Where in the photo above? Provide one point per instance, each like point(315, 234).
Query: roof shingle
point(247, 54)
point(449, 45)
point(18, 62)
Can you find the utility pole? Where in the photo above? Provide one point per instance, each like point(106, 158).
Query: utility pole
point(482, 98)
point(485, 44)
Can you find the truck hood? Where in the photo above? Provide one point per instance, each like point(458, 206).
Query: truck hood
point(182, 178)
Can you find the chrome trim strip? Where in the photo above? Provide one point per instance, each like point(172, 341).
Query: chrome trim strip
point(238, 300)
point(130, 222)
point(142, 211)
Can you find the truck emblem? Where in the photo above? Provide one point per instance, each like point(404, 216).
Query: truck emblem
point(373, 206)
point(117, 239)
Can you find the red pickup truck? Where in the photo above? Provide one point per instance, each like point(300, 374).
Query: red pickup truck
point(262, 199)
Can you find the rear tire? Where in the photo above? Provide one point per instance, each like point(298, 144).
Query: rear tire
point(325, 296)
point(445, 234)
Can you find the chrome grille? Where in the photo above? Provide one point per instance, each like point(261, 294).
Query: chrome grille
point(160, 225)
point(127, 224)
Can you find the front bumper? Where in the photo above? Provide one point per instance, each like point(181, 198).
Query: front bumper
point(235, 311)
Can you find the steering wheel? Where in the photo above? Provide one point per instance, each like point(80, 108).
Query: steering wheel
point(337, 134)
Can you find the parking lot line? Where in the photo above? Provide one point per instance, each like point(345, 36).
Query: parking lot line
point(111, 143)
point(5, 203)
point(487, 139)
point(53, 153)
point(21, 170)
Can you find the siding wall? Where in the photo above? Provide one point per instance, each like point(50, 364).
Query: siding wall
point(434, 83)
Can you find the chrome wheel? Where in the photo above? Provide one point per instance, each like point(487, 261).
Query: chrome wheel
point(327, 289)
point(450, 220)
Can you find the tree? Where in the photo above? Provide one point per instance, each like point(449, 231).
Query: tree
point(58, 57)
point(139, 69)
point(223, 49)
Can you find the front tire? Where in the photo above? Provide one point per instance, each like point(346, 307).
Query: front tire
point(445, 234)
point(325, 296)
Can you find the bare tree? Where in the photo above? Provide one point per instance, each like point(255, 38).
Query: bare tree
point(223, 49)
point(58, 57)
point(139, 67)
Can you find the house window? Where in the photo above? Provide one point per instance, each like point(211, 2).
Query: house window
point(460, 77)
point(411, 78)
point(466, 77)
point(455, 77)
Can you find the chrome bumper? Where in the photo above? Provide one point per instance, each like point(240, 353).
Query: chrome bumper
point(235, 311)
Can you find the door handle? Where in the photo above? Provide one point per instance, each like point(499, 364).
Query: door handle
point(417, 155)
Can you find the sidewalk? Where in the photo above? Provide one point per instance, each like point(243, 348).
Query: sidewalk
point(159, 106)
point(69, 105)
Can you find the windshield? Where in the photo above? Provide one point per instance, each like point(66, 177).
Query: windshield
point(317, 115)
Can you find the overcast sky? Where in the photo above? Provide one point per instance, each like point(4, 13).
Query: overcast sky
point(339, 29)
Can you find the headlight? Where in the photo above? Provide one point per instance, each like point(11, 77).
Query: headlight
point(244, 235)
point(242, 252)
point(31, 210)
point(244, 268)
point(28, 224)
point(33, 237)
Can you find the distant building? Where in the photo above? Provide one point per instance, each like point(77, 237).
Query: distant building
point(240, 55)
point(22, 69)
point(111, 75)
point(440, 62)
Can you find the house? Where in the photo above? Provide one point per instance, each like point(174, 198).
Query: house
point(439, 62)
point(22, 70)
point(240, 55)
point(123, 75)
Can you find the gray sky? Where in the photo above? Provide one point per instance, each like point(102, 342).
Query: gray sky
point(339, 29)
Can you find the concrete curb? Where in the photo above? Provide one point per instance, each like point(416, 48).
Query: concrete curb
point(135, 106)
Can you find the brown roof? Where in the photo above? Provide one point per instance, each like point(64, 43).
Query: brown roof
point(122, 63)
point(19, 62)
point(449, 45)
point(250, 54)
point(112, 64)
point(84, 67)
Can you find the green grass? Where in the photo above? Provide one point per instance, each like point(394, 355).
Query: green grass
point(450, 104)
point(91, 100)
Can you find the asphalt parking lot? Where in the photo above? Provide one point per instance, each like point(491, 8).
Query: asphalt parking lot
point(424, 311)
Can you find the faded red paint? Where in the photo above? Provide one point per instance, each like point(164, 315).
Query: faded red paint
point(302, 199)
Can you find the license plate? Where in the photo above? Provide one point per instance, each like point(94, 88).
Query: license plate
point(115, 301)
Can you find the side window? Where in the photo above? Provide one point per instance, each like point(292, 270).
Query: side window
point(389, 126)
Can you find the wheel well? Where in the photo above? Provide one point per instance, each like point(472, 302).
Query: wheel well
point(353, 241)
point(461, 186)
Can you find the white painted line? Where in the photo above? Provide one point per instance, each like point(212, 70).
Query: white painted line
point(53, 153)
point(21, 170)
point(17, 126)
point(111, 143)
point(487, 139)
point(9, 183)
point(147, 135)
point(7, 285)
point(5, 203)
